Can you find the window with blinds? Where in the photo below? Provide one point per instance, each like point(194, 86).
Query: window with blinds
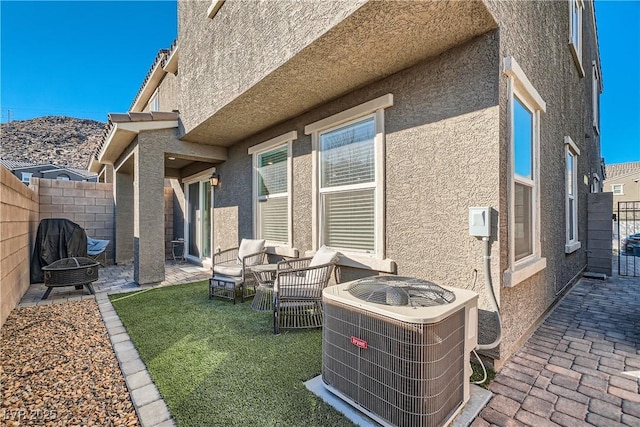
point(273, 196)
point(347, 186)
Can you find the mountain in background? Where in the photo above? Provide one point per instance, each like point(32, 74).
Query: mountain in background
point(59, 140)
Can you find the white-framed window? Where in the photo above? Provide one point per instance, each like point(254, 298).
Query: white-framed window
point(525, 106)
point(595, 184)
point(154, 102)
point(348, 179)
point(617, 189)
point(571, 190)
point(272, 185)
point(595, 83)
point(63, 177)
point(576, 7)
point(26, 177)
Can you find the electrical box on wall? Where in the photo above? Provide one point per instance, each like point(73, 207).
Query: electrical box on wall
point(479, 222)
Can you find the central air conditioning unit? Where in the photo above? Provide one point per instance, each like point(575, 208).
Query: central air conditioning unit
point(397, 348)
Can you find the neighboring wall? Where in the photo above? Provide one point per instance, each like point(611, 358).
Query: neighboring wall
point(599, 243)
point(18, 224)
point(88, 204)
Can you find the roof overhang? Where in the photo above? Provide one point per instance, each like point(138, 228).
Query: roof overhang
point(156, 75)
point(171, 63)
point(94, 165)
point(123, 134)
point(377, 40)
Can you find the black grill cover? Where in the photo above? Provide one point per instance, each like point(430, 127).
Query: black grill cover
point(56, 239)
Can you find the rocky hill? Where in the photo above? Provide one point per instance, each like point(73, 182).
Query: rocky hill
point(62, 141)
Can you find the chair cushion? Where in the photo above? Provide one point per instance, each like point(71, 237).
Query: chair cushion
point(228, 269)
point(324, 255)
point(248, 247)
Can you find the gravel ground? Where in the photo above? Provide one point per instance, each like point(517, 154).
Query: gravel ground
point(57, 368)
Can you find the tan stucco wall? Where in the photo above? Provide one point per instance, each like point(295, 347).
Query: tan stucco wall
point(18, 224)
point(168, 94)
point(218, 62)
point(536, 35)
point(442, 157)
point(630, 190)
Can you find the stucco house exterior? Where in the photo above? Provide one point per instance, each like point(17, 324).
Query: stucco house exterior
point(26, 170)
point(372, 127)
point(623, 180)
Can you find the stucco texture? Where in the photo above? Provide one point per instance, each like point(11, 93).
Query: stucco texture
point(441, 158)
point(536, 34)
point(291, 57)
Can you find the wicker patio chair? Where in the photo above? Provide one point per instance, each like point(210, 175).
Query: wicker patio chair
point(231, 270)
point(297, 301)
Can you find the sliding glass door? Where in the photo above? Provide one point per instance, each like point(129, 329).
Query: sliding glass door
point(198, 224)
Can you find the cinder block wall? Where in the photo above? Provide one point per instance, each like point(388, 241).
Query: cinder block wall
point(88, 204)
point(18, 225)
point(168, 221)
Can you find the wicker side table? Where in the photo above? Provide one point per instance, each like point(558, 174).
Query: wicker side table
point(265, 275)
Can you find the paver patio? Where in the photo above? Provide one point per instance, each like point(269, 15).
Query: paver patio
point(581, 366)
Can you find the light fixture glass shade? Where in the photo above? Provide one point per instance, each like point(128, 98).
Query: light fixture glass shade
point(214, 180)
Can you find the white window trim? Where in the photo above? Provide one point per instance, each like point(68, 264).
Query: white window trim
point(154, 100)
point(574, 244)
point(518, 85)
point(192, 179)
point(621, 193)
point(214, 7)
point(27, 175)
point(595, 188)
point(374, 107)
point(576, 51)
point(254, 151)
point(595, 102)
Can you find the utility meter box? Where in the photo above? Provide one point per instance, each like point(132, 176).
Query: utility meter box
point(480, 222)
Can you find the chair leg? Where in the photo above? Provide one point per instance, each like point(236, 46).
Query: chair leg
point(276, 321)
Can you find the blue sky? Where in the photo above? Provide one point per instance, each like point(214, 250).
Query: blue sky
point(81, 59)
point(86, 59)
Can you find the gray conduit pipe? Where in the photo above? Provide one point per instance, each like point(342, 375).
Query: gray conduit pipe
point(492, 295)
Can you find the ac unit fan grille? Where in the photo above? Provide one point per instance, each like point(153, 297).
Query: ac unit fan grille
point(409, 374)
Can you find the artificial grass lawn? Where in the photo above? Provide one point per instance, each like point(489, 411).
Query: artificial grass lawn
point(216, 363)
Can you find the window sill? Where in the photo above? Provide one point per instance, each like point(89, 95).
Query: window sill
point(576, 58)
point(281, 250)
point(572, 247)
point(363, 262)
point(523, 271)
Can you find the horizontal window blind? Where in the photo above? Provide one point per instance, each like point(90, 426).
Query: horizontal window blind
point(523, 221)
point(347, 155)
point(273, 214)
point(349, 219)
point(272, 172)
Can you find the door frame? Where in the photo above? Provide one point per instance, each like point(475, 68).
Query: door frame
point(200, 177)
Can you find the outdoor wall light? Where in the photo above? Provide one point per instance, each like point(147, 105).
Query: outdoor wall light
point(214, 180)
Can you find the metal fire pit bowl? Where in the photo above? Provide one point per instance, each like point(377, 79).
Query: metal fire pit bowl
point(74, 271)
